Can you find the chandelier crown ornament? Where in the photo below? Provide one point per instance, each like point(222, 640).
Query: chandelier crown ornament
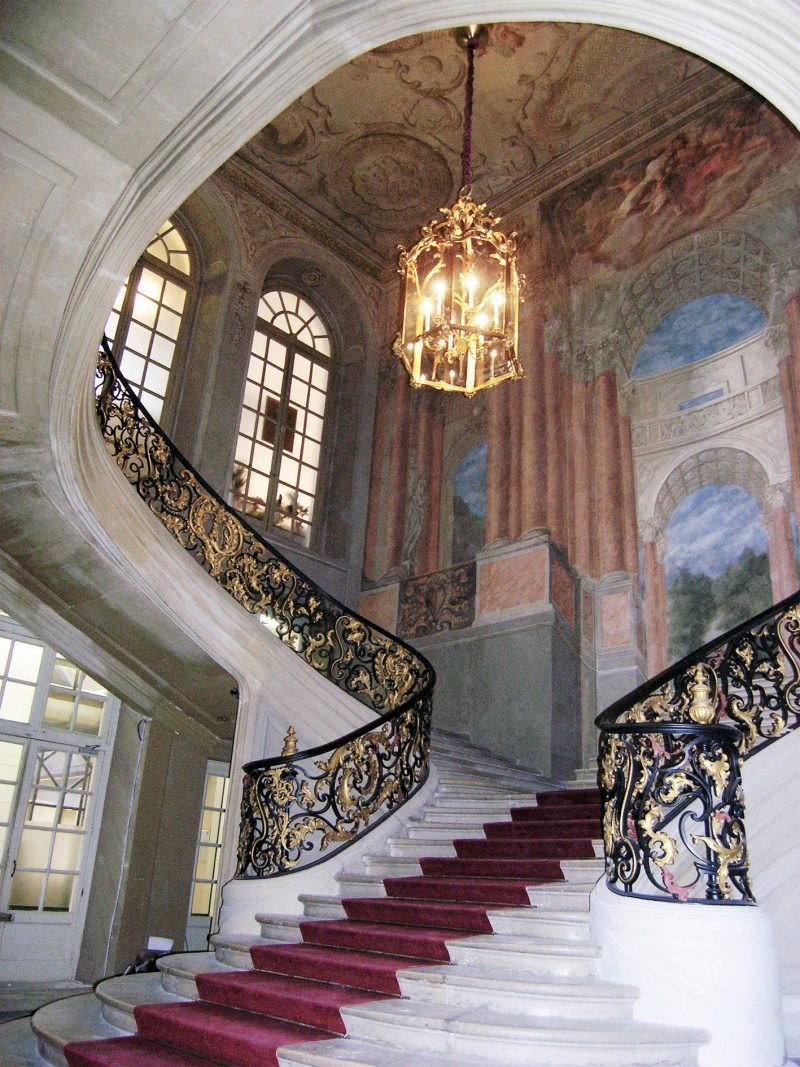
point(461, 288)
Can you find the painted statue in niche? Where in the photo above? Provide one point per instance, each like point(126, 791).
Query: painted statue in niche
point(681, 184)
point(469, 505)
point(716, 564)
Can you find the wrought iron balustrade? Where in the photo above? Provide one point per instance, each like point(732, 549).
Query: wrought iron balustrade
point(670, 756)
point(294, 808)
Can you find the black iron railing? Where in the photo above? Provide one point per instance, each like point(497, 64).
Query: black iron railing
point(670, 752)
point(294, 807)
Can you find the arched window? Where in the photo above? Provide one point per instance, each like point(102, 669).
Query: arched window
point(145, 321)
point(280, 431)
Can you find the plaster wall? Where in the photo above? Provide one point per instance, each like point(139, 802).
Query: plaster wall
point(511, 687)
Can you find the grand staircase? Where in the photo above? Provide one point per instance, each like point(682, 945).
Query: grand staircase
point(469, 942)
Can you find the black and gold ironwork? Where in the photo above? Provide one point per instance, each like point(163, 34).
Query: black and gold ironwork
point(670, 753)
point(296, 811)
point(380, 765)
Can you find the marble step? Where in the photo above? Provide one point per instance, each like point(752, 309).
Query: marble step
point(507, 991)
point(441, 831)
point(526, 955)
point(391, 866)
point(119, 996)
point(281, 928)
point(179, 970)
point(359, 884)
point(582, 870)
point(517, 1039)
point(318, 906)
point(532, 922)
point(73, 1019)
point(415, 848)
point(234, 949)
point(569, 896)
point(354, 1053)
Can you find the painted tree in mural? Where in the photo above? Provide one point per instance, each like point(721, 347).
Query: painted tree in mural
point(691, 611)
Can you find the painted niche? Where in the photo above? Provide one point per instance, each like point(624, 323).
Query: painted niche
point(698, 329)
point(716, 564)
point(469, 505)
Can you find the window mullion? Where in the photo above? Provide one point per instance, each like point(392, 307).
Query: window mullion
point(126, 312)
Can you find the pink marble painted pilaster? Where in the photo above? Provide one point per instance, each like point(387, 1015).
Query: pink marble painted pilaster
point(655, 608)
point(533, 457)
point(792, 412)
point(397, 474)
point(376, 479)
point(428, 553)
point(513, 582)
point(628, 516)
point(781, 553)
point(497, 486)
point(380, 606)
point(609, 502)
point(581, 457)
point(557, 489)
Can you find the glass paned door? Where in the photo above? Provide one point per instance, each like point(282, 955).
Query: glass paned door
point(56, 729)
point(48, 861)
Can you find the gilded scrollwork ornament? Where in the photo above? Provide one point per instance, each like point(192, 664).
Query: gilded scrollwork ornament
point(293, 809)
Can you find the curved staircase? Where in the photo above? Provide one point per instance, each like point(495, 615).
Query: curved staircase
point(468, 942)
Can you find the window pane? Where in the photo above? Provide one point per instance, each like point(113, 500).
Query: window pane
point(67, 852)
point(319, 377)
point(201, 899)
point(169, 323)
point(64, 673)
point(89, 717)
point(58, 894)
point(151, 284)
point(132, 367)
point(162, 350)
point(26, 888)
point(58, 711)
point(145, 310)
point(25, 661)
point(174, 296)
point(17, 702)
point(302, 368)
point(215, 790)
point(5, 648)
point(138, 338)
point(156, 379)
point(205, 862)
point(209, 826)
point(34, 848)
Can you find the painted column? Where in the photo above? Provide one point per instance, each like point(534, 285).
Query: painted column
point(785, 340)
point(628, 517)
point(397, 475)
point(557, 488)
point(609, 501)
point(533, 458)
point(375, 506)
point(497, 467)
point(782, 570)
point(429, 460)
point(582, 449)
point(655, 594)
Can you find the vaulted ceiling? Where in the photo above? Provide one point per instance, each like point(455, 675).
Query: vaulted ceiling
point(375, 148)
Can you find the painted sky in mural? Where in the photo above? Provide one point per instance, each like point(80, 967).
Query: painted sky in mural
point(696, 330)
point(711, 528)
point(470, 480)
point(679, 185)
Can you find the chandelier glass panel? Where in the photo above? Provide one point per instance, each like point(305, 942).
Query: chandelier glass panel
point(461, 290)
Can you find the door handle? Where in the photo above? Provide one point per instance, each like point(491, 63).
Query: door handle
point(6, 916)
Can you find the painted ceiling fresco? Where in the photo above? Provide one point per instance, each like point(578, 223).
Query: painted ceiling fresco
point(375, 147)
point(698, 329)
point(692, 179)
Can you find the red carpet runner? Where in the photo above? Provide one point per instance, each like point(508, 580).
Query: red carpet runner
point(242, 1017)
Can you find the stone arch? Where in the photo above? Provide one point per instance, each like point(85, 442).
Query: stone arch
point(727, 466)
point(717, 261)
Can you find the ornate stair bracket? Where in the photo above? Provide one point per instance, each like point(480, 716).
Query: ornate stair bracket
point(673, 807)
point(296, 810)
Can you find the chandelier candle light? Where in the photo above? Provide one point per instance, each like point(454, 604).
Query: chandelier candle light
point(461, 290)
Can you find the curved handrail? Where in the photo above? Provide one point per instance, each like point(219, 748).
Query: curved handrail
point(370, 771)
point(670, 752)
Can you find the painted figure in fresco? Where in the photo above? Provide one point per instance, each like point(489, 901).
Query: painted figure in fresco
point(695, 178)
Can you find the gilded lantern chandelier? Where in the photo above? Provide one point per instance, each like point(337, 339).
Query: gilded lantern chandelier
point(461, 289)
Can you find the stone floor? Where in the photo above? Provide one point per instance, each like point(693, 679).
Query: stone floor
point(18, 999)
